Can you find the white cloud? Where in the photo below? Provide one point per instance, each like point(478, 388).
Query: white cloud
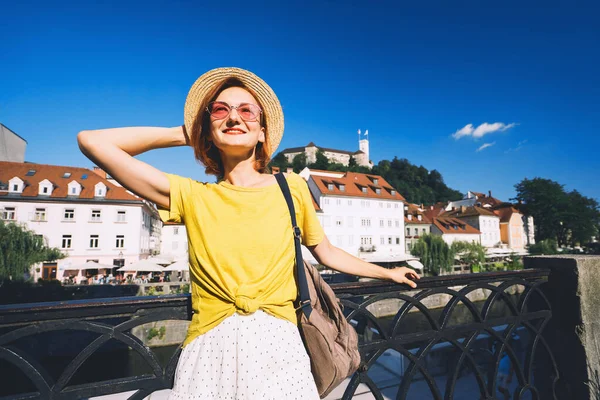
point(467, 130)
point(485, 146)
point(482, 130)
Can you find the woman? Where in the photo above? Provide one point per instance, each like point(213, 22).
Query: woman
point(243, 342)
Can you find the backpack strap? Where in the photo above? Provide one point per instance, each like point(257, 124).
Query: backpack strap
point(300, 272)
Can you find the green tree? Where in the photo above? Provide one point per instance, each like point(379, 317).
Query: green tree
point(322, 162)
point(280, 160)
point(20, 249)
point(352, 163)
point(545, 246)
point(567, 217)
point(435, 254)
point(472, 254)
point(299, 162)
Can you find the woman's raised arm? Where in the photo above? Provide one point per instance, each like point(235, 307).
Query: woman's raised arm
point(114, 149)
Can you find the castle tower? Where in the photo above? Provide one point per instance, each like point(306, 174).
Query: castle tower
point(363, 145)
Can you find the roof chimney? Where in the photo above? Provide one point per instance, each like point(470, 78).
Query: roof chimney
point(100, 172)
point(463, 209)
point(489, 193)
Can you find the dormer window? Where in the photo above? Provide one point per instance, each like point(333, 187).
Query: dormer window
point(393, 192)
point(419, 217)
point(100, 190)
point(74, 188)
point(364, 190)
point(15, 185)
point(342, 188)
point(45, 188)
point(330, 186)
point(375, 181)
point(409, 217)
point(377, 190)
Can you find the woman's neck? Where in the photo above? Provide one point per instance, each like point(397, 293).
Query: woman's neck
point(241, 172)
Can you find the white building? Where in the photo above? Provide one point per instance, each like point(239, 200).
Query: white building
point(80, 212)
point(484, 220)
point(454, 230)
point(174, 241)
point(360, 213)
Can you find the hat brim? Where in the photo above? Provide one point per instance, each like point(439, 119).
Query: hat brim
point(205, 85)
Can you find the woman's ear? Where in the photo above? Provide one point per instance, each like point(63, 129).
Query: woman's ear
point(261, 137)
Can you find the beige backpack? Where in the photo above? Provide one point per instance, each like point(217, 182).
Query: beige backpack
point(330, 341)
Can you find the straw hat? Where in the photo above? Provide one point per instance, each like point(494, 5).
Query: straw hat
point(269, 102)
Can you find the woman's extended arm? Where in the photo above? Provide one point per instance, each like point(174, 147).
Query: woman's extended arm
point(113, 151)
point(333, 257)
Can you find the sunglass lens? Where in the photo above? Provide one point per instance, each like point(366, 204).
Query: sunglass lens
point(248, 111)
point(218, 110)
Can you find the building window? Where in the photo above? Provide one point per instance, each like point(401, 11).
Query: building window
point(120, 242)
point(381, 223)
point(389, 223)
point(96, 216)
point(424, 231)
point(381, 240)
point(93, 241)
point(377, 190)
point(121, 216)
point(364, 240)
point(407, 231)
point(393, 192)
point(338, 221)
point(364, 190)
point(365, 222)
point(73, 190)
point(375, 181)
point(397, 240)
point(325, 201)
point(40, 214)
point(396, 205)
point(45, 189)
point(349, 202)
point(397, 223)
point(330, 186)
point(338, 202)
point(8, 214)
point(342, 188)
point(389, 240)
point(175, 231)
point(69, 214)
point(66, 242)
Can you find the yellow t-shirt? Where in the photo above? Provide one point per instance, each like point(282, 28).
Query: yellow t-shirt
point(241, 247)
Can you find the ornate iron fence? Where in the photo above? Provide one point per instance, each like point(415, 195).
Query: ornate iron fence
point(411, 347)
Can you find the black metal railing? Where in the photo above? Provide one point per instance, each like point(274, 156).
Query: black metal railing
point(411, 347)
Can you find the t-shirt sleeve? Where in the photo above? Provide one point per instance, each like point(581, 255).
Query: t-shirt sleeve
point(312, 231)
point(180, 189)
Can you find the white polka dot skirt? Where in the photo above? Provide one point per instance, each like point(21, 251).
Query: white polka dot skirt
point(246, 357)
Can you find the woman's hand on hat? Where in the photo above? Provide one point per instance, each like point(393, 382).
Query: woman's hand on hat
point(404, 275)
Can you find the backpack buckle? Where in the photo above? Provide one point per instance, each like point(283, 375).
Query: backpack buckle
point(303, 304)
point(297, 232)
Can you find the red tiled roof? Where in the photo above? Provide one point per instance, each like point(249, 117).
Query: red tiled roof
point(505, 212)
point(354, 183)
point(468, 212)
point(446, 225)
point(55, 173)
point(414, 210)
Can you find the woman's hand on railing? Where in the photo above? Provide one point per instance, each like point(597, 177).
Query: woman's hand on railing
point(404, 275)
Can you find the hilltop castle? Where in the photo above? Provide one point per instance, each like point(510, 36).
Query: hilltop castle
point(361, 156)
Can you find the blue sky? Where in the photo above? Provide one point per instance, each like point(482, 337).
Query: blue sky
point(433, 82)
